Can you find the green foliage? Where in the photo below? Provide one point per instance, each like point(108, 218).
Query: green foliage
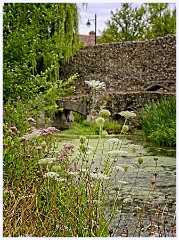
point(112, 127)
point(84, 127)
point(126, 24)
point(158, 122)
point(147, 21)
point(161, 20)
point(37, 37)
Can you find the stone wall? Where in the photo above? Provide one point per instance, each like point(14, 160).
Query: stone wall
point(125, 66)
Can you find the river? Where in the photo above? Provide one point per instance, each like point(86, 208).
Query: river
point(156, 198)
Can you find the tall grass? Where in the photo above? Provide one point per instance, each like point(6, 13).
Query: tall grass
point(158, 122)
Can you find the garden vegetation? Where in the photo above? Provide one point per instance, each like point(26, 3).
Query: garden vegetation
point(50, 191)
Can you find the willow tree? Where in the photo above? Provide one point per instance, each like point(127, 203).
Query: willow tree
point(36, 39)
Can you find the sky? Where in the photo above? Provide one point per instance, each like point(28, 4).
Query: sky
point(102, 11)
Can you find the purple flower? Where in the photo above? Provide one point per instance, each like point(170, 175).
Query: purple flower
point(68, 146)
point(27, 149)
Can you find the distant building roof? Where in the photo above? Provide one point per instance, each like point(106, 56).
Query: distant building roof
point(88, 39)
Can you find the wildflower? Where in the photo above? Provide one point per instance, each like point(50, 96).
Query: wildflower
point(32, 135)
point(119, 168)
point(22, 139)
point(31, 129)
point(27, 150)
point(104, 133)
point(68, 146)
point(28, 196)
point(127, 166)
point(89, 152)
point(31, 121)
point(53, 129)
point(47, 160)
point(14, 129)
point(99, 176)
point(100, 121)
point(56, 168)
point(83, 148)
point(73, 173)
point(84, 170)
point(39, 148)
point(96, 85)
point(5, 145)
point(51, 175)
point(61, 179)
point(126, 200)
point(127, 114)
point(123, 182)
point(104, 113)
point(114, 140)
point(125, 129)
point(82, 139)
point(134, 147)
point(137, 208)
point(117, 153)
point(140, 160)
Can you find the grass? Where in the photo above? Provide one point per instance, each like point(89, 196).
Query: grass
point(158, 121)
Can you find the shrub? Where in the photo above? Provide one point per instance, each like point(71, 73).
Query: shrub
point(112, 127)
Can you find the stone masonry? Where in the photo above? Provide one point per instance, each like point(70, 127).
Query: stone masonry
point(134, 73)
point(125, 66)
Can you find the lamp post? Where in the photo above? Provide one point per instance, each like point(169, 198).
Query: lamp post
point(89, 24)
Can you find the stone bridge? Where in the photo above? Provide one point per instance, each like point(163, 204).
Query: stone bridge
point(114, 102)
point(134, 73)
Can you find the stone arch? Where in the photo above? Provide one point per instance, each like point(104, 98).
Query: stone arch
point(64, 117)
point(78, 106)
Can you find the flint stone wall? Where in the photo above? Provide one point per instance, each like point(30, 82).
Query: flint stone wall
point(125, 66)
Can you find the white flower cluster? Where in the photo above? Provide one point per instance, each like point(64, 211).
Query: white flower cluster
point(97, 85)
point(104, 113)
point(134, 147)
point(54, 175)
point(47, 160)
point(114, 141)
point(99, 176)
point(123, 167)
point(118, 153)
point(127, 114)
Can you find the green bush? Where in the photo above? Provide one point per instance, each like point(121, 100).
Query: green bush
point(158, 121)
point(112, 127)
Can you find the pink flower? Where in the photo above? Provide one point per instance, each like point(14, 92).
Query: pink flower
point(31, 121)
point(39, 148)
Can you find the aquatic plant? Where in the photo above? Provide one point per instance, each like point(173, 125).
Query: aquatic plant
point(158, 121)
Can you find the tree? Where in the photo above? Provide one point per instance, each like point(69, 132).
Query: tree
point(126, 24)
point(37, 38)
point(144, 22)
point(161, 20)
